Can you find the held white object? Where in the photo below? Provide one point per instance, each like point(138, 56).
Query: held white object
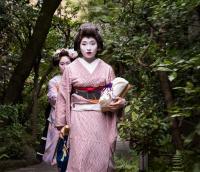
point(118, 86)
point(105, 98)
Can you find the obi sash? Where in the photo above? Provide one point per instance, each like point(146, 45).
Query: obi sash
point(91, 93)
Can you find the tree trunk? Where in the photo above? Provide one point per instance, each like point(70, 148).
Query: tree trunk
point(36, 95)
point(31, 52)
point(167, 92)
point(43, 79)
point(37, 87)
point(35, 101)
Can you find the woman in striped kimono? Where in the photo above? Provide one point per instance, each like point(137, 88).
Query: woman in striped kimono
point(93, 133)
point(61, 59)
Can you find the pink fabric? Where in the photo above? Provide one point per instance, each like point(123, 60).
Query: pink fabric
point(51, 142)
point(92, 133)
point(53, 133)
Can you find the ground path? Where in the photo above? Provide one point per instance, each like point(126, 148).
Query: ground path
point(122, 148)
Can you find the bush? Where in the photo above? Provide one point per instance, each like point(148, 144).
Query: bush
point(12, 133)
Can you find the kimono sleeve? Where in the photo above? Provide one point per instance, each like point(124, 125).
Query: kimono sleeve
point(111, 74)
point(63, 100)
point(52, 92)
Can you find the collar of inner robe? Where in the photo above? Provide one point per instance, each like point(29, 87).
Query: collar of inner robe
point(89, 66)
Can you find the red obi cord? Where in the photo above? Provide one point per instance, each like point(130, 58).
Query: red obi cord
point(90, 89)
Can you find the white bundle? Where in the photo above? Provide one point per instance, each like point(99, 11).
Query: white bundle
point(118, 86)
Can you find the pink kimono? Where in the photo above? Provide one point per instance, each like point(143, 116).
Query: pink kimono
point(92, 133)
point(53, 133)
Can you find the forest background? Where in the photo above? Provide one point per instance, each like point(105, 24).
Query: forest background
point(153, 44)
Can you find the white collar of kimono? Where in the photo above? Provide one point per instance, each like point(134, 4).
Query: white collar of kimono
point(89, 66)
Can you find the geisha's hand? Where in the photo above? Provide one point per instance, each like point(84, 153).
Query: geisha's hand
point(59, 128)
point(64, 131)
point(116, 105)
point(61, 135)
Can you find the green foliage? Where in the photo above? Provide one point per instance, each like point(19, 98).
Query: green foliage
point(20, 18)
point(144, 128)
point(17, 22)
point(126, 163)
point(12, 132)
point(191, 159)
point(160, 163)
point(183, 69)
point(143, 38)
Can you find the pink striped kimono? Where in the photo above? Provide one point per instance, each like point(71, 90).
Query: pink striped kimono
point(53, 133)
point(92, 133)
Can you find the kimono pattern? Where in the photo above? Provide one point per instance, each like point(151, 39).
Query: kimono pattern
point(53, 133)
point(92, 133)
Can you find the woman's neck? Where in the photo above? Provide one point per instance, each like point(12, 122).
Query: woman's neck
point(89, 60)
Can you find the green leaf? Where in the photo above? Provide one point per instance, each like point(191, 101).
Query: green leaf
point(164, 69)
point(198, 129)
point(196, 167)
point(134, 116)
point(127, 108)
point(172, 76)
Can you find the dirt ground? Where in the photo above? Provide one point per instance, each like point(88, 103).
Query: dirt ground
point(122, 148)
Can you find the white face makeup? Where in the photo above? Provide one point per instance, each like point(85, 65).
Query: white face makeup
point(88, 47)
point(64, 61)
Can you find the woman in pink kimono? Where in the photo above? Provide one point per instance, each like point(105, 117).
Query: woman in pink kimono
point(61, 59)
point(93, 133)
